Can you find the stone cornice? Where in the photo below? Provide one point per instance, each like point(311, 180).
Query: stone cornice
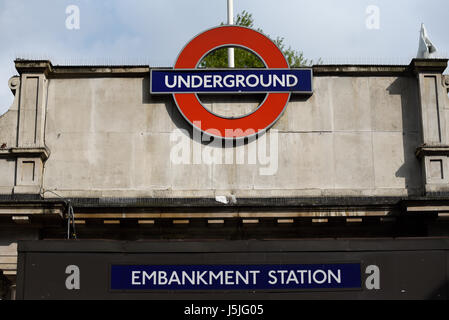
point(428, 65)
point(42, 153)
point(34, 66)
point(46, 67)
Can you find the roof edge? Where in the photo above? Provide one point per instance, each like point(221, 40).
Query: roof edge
point(46, 67)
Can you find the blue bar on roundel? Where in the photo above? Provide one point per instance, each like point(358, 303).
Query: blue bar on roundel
point(236, 277)
point(232, 81)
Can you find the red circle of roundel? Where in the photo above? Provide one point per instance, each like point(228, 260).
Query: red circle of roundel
point(267, 113)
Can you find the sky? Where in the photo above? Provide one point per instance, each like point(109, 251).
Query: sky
point(153, 32)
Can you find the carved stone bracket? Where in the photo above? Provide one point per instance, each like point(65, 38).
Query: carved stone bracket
point(14, 84)
point(446, 82)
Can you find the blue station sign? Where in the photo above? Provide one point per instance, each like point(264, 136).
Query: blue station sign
point(236, 277)
point(232, 81)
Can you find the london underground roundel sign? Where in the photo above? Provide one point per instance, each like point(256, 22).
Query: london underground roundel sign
point(185, 81)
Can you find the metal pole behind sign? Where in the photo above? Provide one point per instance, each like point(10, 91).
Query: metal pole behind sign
point(231, 62)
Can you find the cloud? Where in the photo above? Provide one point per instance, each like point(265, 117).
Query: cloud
point(129, 31)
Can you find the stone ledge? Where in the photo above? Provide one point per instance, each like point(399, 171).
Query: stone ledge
point(32, 209)
point(265, 204)
point(432, 151)
point(33, 66)
point(311, 245)
point(428, 65)
point(42, 153)
point(241, 202)
point(104, 71)
point(30, 189)
point(296, 202)
point(360, 70)
point(46, 67)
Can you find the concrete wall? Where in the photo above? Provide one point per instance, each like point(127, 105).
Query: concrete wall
point(106, 136)
point(354, 136)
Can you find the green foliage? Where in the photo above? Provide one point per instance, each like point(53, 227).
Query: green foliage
point(245, 58)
